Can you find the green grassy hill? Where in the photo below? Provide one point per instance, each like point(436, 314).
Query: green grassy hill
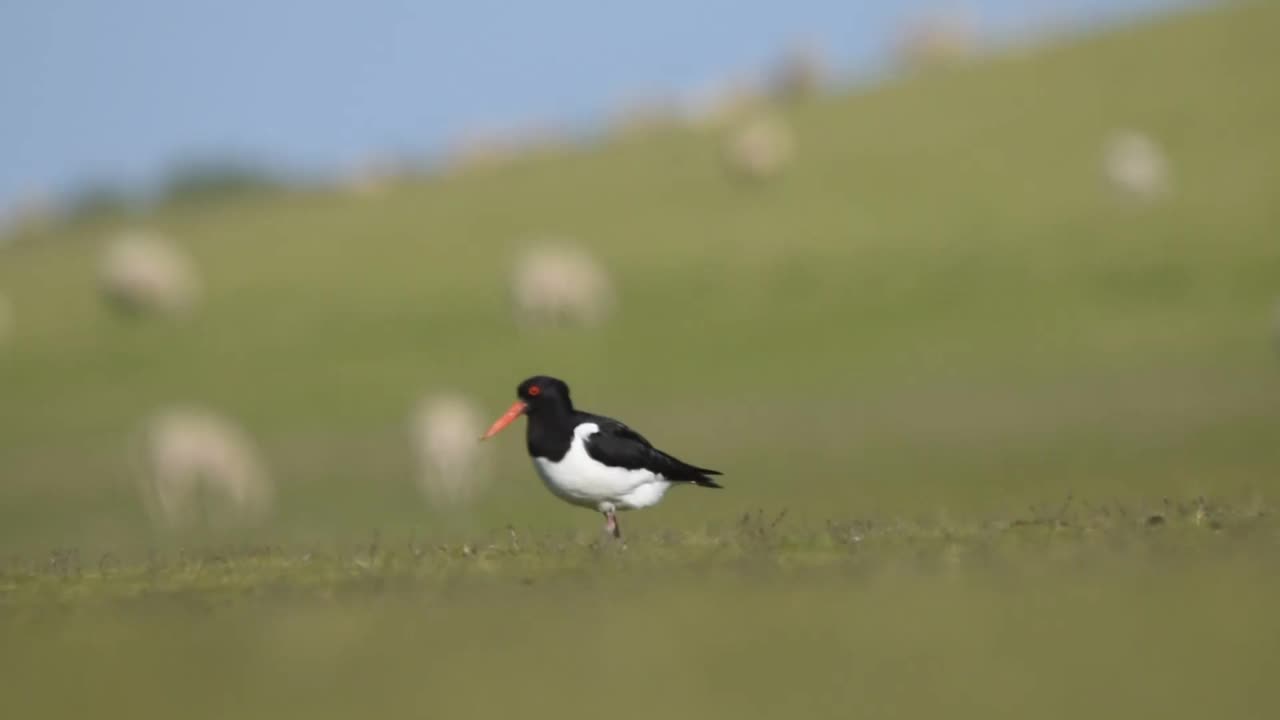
point(940, 308)
point(940, 316)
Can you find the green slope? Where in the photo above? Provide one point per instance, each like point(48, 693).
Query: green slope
point(940, 308)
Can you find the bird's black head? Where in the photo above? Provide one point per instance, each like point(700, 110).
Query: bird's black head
point(539, 395)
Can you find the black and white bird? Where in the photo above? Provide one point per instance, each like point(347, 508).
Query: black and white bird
point(590, 460)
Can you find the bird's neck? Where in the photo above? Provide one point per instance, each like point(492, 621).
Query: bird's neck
point(549, 432)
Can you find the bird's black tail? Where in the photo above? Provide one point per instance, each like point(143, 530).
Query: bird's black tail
point(696, 475)
point(704, 481)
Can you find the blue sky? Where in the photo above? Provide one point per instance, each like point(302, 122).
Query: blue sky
point(117, 91)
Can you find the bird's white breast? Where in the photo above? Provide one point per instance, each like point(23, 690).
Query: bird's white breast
point(582, 480)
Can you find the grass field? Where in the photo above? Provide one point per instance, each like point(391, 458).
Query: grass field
point(968, 372)
point(1092, 612)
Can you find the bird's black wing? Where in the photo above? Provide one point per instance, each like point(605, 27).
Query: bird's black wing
point(620, 446)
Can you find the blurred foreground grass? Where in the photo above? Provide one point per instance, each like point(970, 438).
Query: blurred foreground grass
point(1075, 612)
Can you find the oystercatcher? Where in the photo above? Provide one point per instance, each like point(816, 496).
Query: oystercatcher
point(590, 460)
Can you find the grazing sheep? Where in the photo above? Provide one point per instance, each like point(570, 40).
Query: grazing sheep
point(444, 431)
point(557, 284)
point(7, 320)
point(759, 148)
point(144, 273)
point(201, 467)
point(1135, 165)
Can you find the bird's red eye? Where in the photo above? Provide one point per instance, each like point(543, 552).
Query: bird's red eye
point(535, 391)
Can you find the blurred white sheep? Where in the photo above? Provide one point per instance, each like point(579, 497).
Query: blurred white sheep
point(1135, 165)
point(759, 148)
point(146, 273)
point(203, 467)
point(8, 319)
point(555, 284)
point(444, 431)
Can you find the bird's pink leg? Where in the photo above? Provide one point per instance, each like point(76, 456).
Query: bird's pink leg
point(611, 524)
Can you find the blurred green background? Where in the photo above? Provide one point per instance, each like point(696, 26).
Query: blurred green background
point(939, 311)
point(940, 305)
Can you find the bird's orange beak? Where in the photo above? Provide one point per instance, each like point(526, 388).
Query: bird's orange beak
point(507, 418)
